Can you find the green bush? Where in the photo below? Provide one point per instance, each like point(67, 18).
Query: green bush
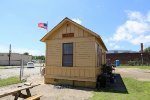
point(132, 63)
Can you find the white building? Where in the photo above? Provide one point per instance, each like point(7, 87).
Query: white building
point(15, 59)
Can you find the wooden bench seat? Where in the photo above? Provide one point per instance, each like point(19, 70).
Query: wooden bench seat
point(35, 97)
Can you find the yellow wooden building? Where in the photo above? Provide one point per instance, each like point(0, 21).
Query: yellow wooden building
point(74, 55)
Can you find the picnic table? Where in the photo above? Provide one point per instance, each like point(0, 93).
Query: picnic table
point(17, 91)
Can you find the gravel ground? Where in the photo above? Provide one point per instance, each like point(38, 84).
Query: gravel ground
point(9, 72)
point(139, 74)
point(51, 92)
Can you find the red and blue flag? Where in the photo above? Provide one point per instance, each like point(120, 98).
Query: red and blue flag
point(43, 25)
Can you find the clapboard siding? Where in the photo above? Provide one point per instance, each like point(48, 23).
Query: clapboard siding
point(72, 72)
point(70, 28)
point(82, 52)
point(54, 54)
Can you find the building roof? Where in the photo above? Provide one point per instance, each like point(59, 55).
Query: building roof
point(71, 21)
point(121, 51)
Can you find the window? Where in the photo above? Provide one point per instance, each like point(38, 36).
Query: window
point(98, 55)
point(67, 59)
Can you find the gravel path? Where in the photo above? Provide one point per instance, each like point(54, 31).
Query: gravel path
point(139, 74)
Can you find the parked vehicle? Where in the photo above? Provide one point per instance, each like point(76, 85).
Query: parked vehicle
point(30, 65)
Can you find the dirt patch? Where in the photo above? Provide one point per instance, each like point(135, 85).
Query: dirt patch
point(136, 73)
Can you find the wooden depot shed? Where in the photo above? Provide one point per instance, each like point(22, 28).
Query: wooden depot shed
point(74, 55)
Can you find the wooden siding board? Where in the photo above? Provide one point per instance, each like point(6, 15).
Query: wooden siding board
point(72, 28)
point(84, 53)
point(80, 32)
point(70, 78)
point(76, 31)
point(68, 28)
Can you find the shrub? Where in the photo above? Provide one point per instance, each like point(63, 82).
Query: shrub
point(132, 63)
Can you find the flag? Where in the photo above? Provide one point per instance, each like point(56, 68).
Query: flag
point(43, 25)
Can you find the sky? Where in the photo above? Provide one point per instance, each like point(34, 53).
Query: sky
point(122, 24)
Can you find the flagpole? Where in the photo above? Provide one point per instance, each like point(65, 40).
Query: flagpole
point(47, 26)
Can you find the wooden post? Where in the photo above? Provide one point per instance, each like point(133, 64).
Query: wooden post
point(9, 55)
point(22, 67)
point(21, 70)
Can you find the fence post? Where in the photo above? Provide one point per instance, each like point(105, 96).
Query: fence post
point(21, 69)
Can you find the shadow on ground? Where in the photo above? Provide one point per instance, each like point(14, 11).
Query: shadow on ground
point(117, 87)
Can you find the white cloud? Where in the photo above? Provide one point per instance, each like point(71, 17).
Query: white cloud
point(121, 34)
point(4, 49)
point(111, 44)
point(141, 39)
point(135, 30)
point(135, 15)
point(148, 17)
point(136, 27)
point(116, 47)
point(77, 20)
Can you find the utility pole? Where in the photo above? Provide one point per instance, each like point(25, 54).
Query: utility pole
point(9, 55)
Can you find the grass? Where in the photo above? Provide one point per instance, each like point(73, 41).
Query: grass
point(141, 67)
point(137, 90)
point(9, 81)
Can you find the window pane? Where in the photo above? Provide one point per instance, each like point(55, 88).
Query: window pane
point(67, 60)
point(68, 54)
point(68, 48)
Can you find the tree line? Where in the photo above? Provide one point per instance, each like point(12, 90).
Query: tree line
point(147, 49)
point(38, 57)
